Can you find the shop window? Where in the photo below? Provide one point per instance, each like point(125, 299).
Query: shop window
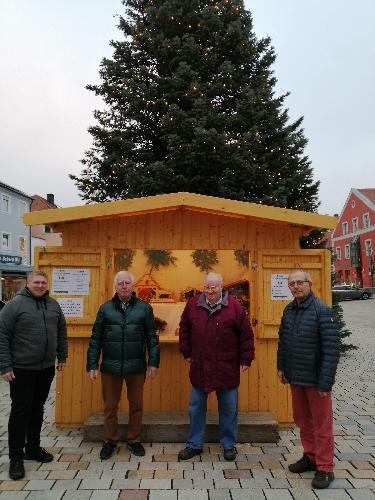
point(5, 203)
point(6, 241)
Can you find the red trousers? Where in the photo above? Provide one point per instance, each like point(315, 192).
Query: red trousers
point(111, 387)
point(314, 417)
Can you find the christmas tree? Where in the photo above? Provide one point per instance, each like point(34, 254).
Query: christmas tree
point(190, 105)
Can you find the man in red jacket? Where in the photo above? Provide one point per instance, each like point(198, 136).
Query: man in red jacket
point(217, 341)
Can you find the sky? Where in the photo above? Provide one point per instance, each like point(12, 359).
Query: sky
point(51, 49)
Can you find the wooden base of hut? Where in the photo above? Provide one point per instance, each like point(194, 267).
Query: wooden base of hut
point(172, 427)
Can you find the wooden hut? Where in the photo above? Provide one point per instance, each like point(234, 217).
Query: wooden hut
point(81, 273)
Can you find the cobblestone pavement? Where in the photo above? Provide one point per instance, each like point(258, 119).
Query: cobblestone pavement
point(259, 472)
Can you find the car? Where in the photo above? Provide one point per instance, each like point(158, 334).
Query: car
point(347, 292)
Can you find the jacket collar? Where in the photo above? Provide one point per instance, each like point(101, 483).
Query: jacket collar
point(305, 303)
point(203, 303)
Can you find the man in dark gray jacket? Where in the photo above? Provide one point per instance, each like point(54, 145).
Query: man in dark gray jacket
point(32, 335)
point(307, 357)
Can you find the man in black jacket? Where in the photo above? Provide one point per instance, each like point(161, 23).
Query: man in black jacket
point(307, 357)
point(32, 335)
point(123, 329)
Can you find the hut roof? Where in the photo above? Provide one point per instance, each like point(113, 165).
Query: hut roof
point(181, 201)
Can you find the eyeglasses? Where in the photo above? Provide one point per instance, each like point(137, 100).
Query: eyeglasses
point(211, 288)
point(298, 283)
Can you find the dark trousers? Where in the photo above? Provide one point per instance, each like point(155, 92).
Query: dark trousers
point(112, 386)
point(28, 392)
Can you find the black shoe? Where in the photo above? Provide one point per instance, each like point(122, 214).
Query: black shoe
point(230, 454)
point(108, 450)
point(188, 453)
point(304, 464)
point(16, 469)
point(39, 454)
point(137, 449)
point(322, 479)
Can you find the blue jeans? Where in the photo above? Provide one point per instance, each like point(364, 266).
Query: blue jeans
point(228, 415)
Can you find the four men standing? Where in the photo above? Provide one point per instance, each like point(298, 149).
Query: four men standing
point(217, 341)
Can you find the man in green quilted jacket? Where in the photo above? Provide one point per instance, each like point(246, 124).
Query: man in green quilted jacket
point(123, 331)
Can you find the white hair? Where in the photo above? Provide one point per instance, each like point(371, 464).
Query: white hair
point(307, 276)
point(115, 281)
point(214, 277)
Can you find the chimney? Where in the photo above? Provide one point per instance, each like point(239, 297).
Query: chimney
point(51, 198)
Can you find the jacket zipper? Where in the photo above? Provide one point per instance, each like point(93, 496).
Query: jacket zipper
point(45, 326)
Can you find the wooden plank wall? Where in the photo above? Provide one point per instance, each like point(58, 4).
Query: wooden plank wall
point(176, 229)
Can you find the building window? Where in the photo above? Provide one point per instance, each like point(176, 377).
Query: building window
point(22, 244)
point(22, 208)
point(47, 229)
point(355, 225)
point(353, 203)
point(366, 220)
point(347, 251)
point(338, 253)
point(368, 247)
point(345, 228)
point(5, 203)
point(6, 241)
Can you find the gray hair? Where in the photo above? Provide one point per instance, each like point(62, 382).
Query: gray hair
point(37, 272)
point(306, 275)
point(214, 277)
point(115, 281)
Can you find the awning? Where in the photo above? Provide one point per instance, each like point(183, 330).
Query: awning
point(15, 268)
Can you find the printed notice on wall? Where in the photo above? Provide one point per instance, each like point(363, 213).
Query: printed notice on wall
point(70, 281)
point(72, 308)
point(279, 287)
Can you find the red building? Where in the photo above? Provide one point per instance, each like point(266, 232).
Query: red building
point(353, 240)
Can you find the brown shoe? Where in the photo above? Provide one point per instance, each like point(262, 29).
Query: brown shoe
point(304, 464)
point(322, 479)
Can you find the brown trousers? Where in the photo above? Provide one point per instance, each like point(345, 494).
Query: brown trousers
point(111, 387)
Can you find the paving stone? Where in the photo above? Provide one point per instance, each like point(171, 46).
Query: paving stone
point(237, 474)
point(45, 495)
point(140, 474)
point(253, 494)
point(363, 473)
point(254, 483)
point(278, 494)
point(278, 483)
point(302, 494)
point(203, 484)
point(182, 484)
point(78, 465)
point(363, 483)
point(162, 495)
point(133, 495)
point(67, 484)
point(155, 484)
point(77, 495)
point(70, 458)
point(362, 465)
point(219, 494)
point(12, 485)
point(95, 484)
point(14, 495)
point(169, 474)
point(126, 484)
point(61, 474)
point(362, 494)
point(330, 494)
point(105, 495)
point(192, 495)
point(39, 484)
point(227, 483)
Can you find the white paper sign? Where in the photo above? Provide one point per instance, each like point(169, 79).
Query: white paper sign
point(279, 287)
point(70, 281)
point(71, 307)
